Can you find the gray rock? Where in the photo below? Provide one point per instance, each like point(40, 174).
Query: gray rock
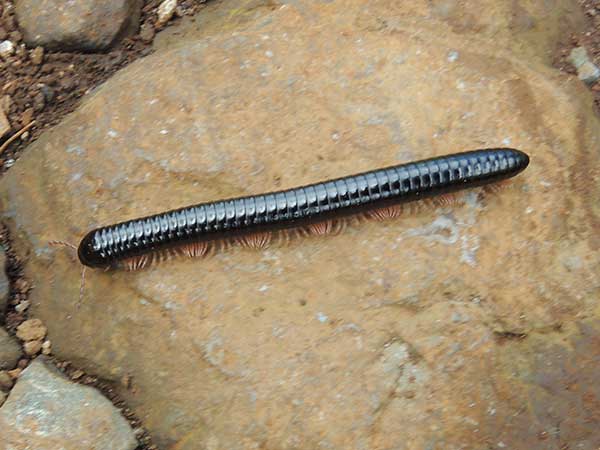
point(7, 48)
point(45, 410)
point(587, 71)
point(89, 25)
point(10, 350)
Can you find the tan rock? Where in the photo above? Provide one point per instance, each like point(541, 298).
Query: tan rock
point(47, 347)
point(4, 124)
point(31, 330)
point(14, 373)
point(32, 348)
point(350, 341)
point(37, 55)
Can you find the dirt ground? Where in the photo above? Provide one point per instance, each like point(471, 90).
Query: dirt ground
point(588, 38)
point(44, 88)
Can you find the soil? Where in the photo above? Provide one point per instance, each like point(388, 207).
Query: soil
point(588, 38)
point(45, 91)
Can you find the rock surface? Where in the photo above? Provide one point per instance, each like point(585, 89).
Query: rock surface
point(4, 283)
point(10, 350)
point(403, 331)
point(45, 410)
point(88, 25)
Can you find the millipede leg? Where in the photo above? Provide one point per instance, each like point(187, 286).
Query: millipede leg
point(320, 228)
point(256, 240)
point(136, 262)
point(195, 249)
point(389, 212)
point(444, 200)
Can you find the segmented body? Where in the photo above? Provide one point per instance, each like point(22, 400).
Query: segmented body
point(301, 206)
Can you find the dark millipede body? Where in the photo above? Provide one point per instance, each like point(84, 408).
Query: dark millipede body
point(310, 204)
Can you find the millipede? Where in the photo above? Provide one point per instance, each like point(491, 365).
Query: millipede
point(251, 220)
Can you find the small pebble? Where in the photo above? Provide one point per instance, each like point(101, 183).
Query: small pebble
point(147, 32)
point(15, 36)
point(586, 69)
point(77, 374)
point(7, 49)
point(14, 374)
point(25, 136)
point(39, 101)
point(47, 347)
point(5, 103)
point(22, 306)
point(48, 93)
point(31, 330)
point(6, 381)
point(27, 116)
point(4, 128)
point(32, 348)
point(37, 55)
point(165, 11)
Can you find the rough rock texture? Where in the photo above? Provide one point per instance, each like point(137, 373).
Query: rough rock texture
point(432, 330)
point(45, 410)
point(4, 284)
point(31, 330)
point(10, 350)
point(89, 25)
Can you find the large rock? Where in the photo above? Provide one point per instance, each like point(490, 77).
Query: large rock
point(404, 333)
point(89, 25)
point(45, 410)
point(4, 284)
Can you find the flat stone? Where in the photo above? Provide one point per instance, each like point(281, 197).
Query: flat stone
point(347, 341)
point(88, 25)
point(45, 410)
point(10, 350)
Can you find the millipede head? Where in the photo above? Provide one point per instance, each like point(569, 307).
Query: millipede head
point(88, 254)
